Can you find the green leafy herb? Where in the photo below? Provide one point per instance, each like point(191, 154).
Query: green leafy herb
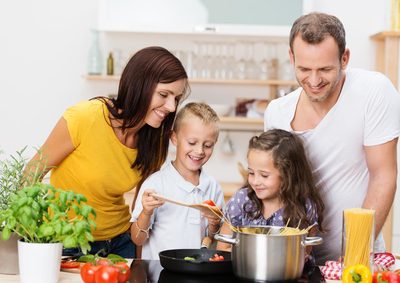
point(113, 258)
point(188, 258)
point(40, 213)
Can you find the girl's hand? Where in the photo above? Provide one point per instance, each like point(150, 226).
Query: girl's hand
point(149, 202)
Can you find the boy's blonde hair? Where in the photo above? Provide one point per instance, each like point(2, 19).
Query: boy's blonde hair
point(198, 109)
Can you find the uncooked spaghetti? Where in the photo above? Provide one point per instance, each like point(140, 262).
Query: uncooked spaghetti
point(359, 233)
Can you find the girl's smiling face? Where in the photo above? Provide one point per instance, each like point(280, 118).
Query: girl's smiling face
point(263, 177)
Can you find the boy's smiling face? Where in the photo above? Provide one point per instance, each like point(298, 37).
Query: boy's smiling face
point(194, 143)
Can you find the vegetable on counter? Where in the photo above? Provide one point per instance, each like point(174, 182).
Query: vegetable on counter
point(386, 277)
point(67, 264)
point(358, 273)
point(97, 269)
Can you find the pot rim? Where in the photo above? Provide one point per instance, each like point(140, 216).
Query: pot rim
point(277, 228)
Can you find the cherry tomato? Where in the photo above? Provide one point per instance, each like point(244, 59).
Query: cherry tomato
point(209, 202)
point(217, 257)
point(124, 271)
point(106, 274)
point(66, 264)
point(88, 272)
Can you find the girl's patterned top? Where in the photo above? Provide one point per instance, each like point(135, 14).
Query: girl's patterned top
point(234, 211)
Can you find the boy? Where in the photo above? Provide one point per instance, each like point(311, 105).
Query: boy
point(159, 226)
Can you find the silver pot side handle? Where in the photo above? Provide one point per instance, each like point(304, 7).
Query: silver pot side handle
point(226, 239)
point(311, 241)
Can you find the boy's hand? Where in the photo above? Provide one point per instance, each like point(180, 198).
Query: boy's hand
point(149, 202)
point(214, 222)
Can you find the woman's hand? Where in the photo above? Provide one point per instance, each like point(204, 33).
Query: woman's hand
point(149, 202)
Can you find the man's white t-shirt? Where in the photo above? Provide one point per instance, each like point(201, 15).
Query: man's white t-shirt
point(173, 226)
point(367, 113)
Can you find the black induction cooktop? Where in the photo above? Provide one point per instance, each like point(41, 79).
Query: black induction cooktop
point(150, 271)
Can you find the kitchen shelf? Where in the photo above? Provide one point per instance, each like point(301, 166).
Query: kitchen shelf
point(242, 124)
point(208, 81)
point(238, 124)
point(387, 54)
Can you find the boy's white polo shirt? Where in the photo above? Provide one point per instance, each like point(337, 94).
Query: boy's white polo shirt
point(173, 226)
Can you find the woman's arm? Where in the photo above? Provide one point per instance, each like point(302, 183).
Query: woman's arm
point(55, 149)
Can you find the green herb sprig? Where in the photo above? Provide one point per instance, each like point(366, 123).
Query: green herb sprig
point(40, 213)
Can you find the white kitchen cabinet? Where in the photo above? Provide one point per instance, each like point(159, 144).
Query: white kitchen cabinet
point(199, 16)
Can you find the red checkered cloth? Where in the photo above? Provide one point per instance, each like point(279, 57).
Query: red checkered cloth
point(332, 269)
point(384, 260)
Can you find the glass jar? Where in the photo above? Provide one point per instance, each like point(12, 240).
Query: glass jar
point(95, 58)
point(358, 235)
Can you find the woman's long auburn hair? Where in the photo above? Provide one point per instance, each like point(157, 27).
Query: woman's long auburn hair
point(297, 182)
point(146, 68)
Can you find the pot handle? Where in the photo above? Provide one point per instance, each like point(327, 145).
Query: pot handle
point(311, 241)
point(226, 239)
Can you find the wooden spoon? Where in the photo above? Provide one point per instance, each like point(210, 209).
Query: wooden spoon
point(205, 208)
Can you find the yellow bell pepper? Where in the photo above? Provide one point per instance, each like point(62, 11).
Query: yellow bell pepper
point(358, 273)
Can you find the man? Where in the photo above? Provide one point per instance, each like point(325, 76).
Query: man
point(349, 120)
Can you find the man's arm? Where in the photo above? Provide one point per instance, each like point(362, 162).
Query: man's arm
point(382, 166)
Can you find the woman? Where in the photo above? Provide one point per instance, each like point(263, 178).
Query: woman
point(104, 147)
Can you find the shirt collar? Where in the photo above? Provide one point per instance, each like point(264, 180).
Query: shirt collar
point(204, 182)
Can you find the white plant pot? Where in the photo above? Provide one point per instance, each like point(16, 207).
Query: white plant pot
point(39, 263)
point(9, 255)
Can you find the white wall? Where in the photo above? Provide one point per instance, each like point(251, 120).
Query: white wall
point(43, 50)
point(361, 19)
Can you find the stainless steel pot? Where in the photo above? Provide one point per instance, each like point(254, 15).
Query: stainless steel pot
point(267, 255)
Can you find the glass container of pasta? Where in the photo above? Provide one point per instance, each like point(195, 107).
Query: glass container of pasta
point(358, 235)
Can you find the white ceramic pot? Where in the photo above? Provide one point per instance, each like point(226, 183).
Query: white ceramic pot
point(39, 263)
point(9, 255)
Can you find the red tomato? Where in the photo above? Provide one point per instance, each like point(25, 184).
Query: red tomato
point(103, 261)
point(217, 257)
point(106, 274)
point(209, 202)
point(88, 272)
point(124, 271)
point(70, 264)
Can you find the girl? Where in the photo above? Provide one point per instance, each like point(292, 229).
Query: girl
point(279, 186)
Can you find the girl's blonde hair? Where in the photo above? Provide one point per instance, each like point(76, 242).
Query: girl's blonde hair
point(200, 110)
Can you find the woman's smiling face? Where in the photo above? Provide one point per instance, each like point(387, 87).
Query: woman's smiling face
point(164, 101)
